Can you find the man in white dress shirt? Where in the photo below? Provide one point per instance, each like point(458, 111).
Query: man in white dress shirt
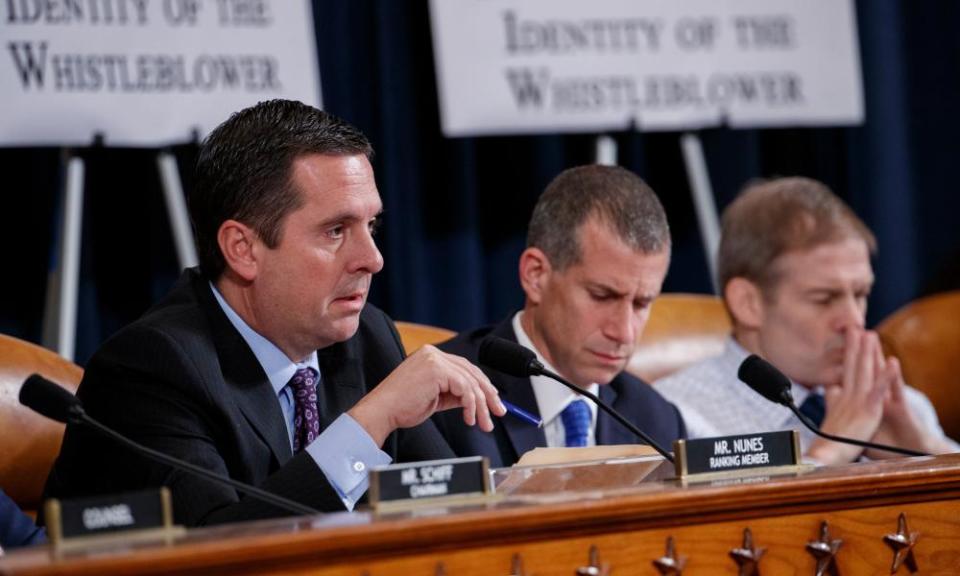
point(598, 249)
point(794, 267)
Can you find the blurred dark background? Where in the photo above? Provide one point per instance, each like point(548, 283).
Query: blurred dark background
point(456, 209)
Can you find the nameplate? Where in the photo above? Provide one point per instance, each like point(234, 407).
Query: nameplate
point(734, 453)
point(416, 481)
point(144, 511)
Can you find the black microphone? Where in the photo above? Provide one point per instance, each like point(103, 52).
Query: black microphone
point(54, 402)
point(766, 380)
point(511, 358)
point(772, 384)
point(47, 399)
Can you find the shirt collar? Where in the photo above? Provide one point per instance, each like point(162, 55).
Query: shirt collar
point(277, 365)
point(552, 397)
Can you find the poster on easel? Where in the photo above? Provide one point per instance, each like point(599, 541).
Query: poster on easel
point(147, 73)
point(548, 66)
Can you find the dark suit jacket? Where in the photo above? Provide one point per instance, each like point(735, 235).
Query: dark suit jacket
point(183, 381)
point(512, 437)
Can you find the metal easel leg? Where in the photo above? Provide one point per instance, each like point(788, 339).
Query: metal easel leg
point(177, 210)
point(703, 199)
point(60, 322)
point(605, 150)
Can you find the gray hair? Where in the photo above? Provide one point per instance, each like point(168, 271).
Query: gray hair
point(772, 217)
point(618, 197)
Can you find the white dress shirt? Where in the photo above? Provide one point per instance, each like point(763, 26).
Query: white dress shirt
point(553, 397)
point(714, 402)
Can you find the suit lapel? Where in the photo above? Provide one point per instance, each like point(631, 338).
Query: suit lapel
point(341, 381)
point(243, 375)
point(609, 431)
point(523, 436)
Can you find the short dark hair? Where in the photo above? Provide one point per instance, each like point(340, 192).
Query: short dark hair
point(243, 170)
point(772, 217)
point(617, 196)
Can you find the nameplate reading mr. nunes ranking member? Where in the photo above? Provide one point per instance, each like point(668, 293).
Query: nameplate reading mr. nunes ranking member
point(726, 453)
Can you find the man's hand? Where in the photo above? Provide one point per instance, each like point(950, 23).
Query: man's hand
point(899, 426)
point(428, 381)
point(855, 407)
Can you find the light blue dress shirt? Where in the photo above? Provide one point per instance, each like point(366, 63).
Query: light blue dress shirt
point(344, 451)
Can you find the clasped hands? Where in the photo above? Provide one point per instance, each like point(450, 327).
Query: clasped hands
point(869, 404)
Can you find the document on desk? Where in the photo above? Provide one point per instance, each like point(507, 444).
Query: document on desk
point(549, 473)
point(550, 456)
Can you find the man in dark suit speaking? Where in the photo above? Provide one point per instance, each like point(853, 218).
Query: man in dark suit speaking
point(267, 364)
point(598, 248)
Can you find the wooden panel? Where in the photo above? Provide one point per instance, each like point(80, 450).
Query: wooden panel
point(553, 532)
point(706, 548)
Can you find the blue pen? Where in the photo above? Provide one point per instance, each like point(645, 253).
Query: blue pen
point(522, 414)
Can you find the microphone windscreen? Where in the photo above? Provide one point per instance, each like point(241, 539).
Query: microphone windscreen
point(507, 357)
point(765, 380)
point(49, 399)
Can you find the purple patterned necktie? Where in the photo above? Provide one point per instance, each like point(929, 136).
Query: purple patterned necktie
point(306, 421)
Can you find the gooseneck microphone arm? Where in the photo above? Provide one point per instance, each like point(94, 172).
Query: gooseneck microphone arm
point(52, 401)
point(773, 385)
point(613, 413)
point(511, 358)
point(816, 430)
point(259, 493)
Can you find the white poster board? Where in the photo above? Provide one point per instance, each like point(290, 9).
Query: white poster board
point(533, 66)
point(147, 72)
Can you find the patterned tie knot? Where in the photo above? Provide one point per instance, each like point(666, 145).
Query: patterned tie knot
point(814, 408)
point(576, 422)
point(306, 420)
point(304, 381)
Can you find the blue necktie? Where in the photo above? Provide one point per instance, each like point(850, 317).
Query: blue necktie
point(814, 408)
point(576, 423)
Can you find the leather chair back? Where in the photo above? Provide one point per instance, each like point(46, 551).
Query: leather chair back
point(682, 330)
point(29, 442)
point(925, 336)
point(414, 336)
